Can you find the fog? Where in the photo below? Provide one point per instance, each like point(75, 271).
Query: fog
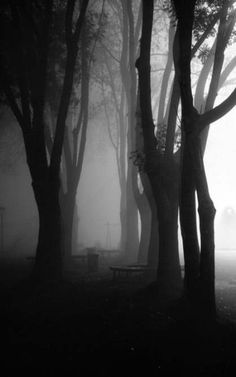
point(97, 298)
point(99, 194)
point(97, 198)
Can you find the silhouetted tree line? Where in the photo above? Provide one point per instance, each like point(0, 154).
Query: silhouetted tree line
point(47, 51)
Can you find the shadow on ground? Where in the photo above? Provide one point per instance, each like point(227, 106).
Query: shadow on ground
point(94, 326)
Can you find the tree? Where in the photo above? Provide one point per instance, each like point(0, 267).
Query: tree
point(193, 175)
point(114, 108)
point(157, 166)
point(168, 277)
point(27, 31)
point(121, 77)
point(78, 114)
point(128, 75)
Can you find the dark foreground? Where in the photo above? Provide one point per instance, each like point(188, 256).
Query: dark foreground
point(95, 327)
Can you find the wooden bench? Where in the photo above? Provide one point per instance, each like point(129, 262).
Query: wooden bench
point(129, 270)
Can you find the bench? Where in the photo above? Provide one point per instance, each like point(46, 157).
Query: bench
point(82, 257)
point(108, 253)
point(129, 270)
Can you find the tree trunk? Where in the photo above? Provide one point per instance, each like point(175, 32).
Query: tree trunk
point(132, 240)
point(188, 220)
point(123, 219)
point(166, 76)
point(154, 165)
point(153, 248)
point(207, 264)
point(145, 221)
point(166, 196)
point(48, 263)
point(68, 208)
point(206, 218)
point(168, 273)
point(199, 99)
point(172, 116)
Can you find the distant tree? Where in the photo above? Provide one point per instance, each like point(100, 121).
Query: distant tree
point(78, 112)
point(119, 74)
point(129, 80)
point(24, 68)
point(114, 103)
point(11, 143)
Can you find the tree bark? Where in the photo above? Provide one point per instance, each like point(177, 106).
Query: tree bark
point(68, 209)
point(166, 76)
point(145, 220)
point(48, 264)
point(206, 212)
point(159, 172)
point(188, 220)
point(128, 75)
point(193, 177)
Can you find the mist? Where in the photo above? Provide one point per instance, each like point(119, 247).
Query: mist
point(113, 260)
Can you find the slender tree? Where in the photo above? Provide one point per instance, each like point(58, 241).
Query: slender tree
point(119, 63)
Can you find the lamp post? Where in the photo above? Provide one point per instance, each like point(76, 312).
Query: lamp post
point(2, 209)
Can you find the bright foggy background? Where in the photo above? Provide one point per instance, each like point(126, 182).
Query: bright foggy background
point(98, 191)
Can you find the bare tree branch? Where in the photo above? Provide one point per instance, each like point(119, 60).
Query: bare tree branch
point(218, 111)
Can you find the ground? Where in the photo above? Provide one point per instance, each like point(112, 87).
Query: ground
point(89, 325)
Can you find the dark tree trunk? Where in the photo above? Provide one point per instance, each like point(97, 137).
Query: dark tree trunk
point(207, 212)
point(123, 219)
point(48, 263)
point(122, 177)
point(159, 171)
point(153, 247)
point(193, 176)
point(168, 273)
point(207, 264)
point(68, 208)
point(188, 220)
point(145, 221)
point(132, 238)
point(166, 196)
